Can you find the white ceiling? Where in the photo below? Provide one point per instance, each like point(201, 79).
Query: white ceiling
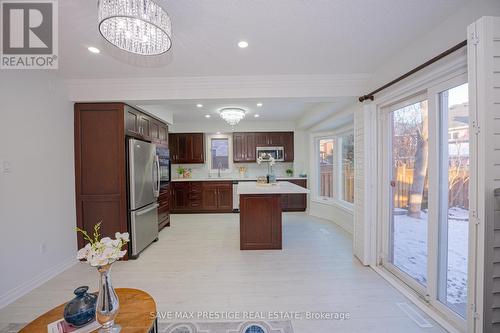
point(273, 109)
point(285, 37)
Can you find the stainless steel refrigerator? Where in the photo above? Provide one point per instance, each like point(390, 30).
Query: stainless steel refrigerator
point(144, 189)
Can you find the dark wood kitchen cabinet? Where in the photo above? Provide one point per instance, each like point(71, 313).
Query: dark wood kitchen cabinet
point(200, 197)
point(295, 202)
point(179, 196)
point(244, 147)
point(246, 143)
point(100, 132)
point(187, 148)
point(144, 127)
point(164, 207)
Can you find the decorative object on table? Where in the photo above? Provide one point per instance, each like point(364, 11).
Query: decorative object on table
point(141, 27)
point(187, 173)
point(61, 326)
point(267, 158)
point(289, 172)
point(243, 171)
point(303, 175)
point(261, 180)
point(80, 310)
point(102, 253)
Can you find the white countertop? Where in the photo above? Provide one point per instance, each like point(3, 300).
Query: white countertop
point(277, 188)
point(240, 179)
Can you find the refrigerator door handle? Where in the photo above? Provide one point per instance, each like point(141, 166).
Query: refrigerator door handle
point(157, 180)
point(142, 212)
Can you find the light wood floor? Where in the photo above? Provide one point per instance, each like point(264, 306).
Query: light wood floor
point(197, 266)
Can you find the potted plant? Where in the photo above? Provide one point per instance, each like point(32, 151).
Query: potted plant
point(180, 171)
point(289, 172)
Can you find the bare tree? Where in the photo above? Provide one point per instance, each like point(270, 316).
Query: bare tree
point(421, 163)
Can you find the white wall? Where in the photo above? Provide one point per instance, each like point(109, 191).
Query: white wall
point(450, 32)
point(37, 200)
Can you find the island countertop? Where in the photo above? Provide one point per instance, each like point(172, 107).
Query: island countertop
point(277, 188)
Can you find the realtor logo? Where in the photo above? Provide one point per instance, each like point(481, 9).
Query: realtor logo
point(29, 34)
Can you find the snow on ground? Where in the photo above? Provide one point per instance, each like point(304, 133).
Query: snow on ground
point(410, 251)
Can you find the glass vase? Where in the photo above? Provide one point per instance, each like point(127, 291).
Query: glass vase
point(107, 302)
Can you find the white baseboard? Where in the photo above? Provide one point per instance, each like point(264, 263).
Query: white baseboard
point(21, 290)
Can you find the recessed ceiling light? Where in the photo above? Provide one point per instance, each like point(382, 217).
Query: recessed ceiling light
point(218, 132)
point(243, 44)
point(94, 49)
point(256, 115)
point(199, 105)
point(259, 104)
point(207, 116)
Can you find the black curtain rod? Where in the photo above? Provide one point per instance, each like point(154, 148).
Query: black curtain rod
point(413, 71)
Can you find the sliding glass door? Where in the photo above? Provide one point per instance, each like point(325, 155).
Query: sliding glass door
point(425, 194)
point(408, 186)
point(454, 198)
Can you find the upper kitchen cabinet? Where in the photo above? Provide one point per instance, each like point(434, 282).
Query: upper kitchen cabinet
point(142, 126)
point(289, 146)
point(244, 147)
point(246, 143)
point(187, 148)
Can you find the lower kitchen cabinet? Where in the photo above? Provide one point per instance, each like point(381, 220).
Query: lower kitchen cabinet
point(202, 197)
point(164, 207)
point(295, 202)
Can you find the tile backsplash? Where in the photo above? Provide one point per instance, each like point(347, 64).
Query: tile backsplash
point(253, 170)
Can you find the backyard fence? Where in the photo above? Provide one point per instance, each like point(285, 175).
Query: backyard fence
point(458, 189)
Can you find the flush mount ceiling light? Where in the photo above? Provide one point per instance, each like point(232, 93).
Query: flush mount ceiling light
point(256, 115)
point(243, 44)
point(137, 26)
point(259, 105)
point(93, 49)
point(232, 115)
point(199, 105)
point(207, 116)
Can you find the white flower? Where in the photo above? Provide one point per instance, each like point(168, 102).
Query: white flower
point(106, 240)
point(83, 252)
point(124, 236)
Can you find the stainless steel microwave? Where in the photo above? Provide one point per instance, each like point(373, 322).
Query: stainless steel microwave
point(278, 153)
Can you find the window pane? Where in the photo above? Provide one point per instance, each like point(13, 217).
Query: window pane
point(347, 193)
point(220, 153)
point(409, 187)
point(454, 199)
point(326, 167)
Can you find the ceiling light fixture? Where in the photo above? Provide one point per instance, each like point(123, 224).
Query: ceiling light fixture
point(256, 115)
point(259, 105)
point(207, 116)
point(232, 115)
point(94, 49)
point(199, 105)
point(137, 26)
point(243, 44)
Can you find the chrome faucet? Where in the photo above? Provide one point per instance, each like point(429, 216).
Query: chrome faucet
point(219, 167)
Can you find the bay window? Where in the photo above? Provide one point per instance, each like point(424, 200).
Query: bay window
point(335, 168)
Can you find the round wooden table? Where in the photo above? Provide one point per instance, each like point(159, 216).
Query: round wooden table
point(137, 314)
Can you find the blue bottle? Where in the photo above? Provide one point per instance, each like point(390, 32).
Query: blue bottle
point(81, 309)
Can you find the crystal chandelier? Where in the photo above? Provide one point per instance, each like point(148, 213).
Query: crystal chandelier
point(137, 26)
point(232, 115)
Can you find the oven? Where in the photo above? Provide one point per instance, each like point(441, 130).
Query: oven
point(164, 163)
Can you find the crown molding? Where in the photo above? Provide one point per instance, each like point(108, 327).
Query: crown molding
point(275, 86)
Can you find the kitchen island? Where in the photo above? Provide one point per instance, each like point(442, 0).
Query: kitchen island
point(260, 214)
